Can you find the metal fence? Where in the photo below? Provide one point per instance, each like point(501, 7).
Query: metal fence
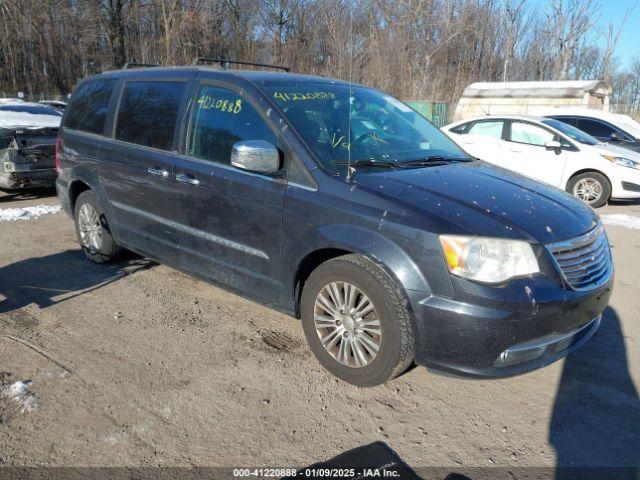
point(437, 112)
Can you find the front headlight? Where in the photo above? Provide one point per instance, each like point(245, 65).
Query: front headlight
point(625, 162)
point(490, 260)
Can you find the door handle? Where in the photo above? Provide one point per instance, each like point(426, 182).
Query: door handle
point(158, 171)
point(183, 178)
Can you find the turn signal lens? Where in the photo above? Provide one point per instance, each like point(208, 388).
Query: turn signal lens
point(452, 251)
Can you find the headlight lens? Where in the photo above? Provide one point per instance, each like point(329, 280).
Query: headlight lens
point(625, 162)
point(489, 260)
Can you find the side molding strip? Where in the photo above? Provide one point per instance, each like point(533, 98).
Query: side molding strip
point(193, 231)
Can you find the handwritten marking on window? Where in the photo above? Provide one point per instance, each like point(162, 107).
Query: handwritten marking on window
point(299, 97)
point(338, 142)
point(376, 139)
point(206, 102)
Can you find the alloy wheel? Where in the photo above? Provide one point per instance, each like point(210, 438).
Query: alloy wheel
point(347, 324)
point(90, 228)
point(588, 189)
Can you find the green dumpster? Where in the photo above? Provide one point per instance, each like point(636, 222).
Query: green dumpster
point(437, 112)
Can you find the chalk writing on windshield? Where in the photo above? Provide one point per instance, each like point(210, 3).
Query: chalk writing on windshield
point(300, 97)
point(377, 141)
point(338, 142)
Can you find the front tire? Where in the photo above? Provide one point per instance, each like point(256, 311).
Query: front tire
point(356, 321)
point(93, 230)
point(593, 188)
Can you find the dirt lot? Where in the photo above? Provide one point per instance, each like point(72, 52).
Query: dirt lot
point(136, 364)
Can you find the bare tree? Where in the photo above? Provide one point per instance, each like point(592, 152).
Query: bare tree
point(415, 49)
point(515, 22)
point(613, 35)
point(569, 21)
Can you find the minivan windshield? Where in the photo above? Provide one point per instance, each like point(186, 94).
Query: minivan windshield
point(384, 131)
point(571, 132)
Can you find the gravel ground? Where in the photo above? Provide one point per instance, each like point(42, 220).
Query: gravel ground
point(136, 364)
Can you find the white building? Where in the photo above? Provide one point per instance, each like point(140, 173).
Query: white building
point(531, 97)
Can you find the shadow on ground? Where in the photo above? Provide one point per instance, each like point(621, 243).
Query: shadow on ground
point(54, 278)
point(596, 415)
point(7, 196)
point(624, 202)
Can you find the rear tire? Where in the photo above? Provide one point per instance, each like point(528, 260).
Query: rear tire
point(593, 188)
point(356, 321)
point(93, 230)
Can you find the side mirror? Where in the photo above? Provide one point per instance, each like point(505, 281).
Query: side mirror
point(553, 145)
point(616, 137)
point(256, 156)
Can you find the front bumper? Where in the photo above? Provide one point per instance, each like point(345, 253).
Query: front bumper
point(494, 332)
point(41, 178)
point(625, 186)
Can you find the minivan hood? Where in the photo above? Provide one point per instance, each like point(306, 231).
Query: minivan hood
point(480, 199)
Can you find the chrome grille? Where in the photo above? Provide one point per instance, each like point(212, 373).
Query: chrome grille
point(584, 261)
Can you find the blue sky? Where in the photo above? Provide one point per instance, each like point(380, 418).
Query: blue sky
point(614, 10)
point(629, 43)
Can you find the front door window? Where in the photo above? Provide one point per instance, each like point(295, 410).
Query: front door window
point(221, 118)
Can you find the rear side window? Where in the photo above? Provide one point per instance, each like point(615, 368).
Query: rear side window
point(487, 129)
point(89, 106)
point(460, 129)
point(148, 112)
point(595, 128)
point(221, 118)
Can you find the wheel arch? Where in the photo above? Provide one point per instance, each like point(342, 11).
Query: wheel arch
point(75, 189)
point(338, 240)
point(307, 265)
point(586, 170)
point(84, 179)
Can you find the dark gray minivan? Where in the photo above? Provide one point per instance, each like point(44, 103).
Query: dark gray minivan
point(338, 204)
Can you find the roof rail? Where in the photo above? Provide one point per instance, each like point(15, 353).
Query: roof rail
point(138, 65)
point(224, 63)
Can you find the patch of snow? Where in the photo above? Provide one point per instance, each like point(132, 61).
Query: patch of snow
point(26, 213)
point(576, 84)
point(24, 119)
point(111, 440)
point(621, 220)
point(19, 393)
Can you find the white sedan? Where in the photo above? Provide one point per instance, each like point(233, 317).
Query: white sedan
point(553, 152)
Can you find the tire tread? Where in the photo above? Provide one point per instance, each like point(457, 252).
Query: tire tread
point(400, 306)
point(396, 304)
point(606, 184)
point(110, 250)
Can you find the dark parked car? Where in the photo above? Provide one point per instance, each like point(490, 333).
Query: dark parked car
point(28, 134)
point(57, 104)
point(607, 127)
point(338, 204)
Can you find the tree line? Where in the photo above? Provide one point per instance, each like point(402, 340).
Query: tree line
point(414, 49)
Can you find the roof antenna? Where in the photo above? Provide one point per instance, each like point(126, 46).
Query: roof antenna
point(350, 170)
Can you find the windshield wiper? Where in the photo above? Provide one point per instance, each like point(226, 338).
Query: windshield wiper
point(433, 160)
point(366, 163)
